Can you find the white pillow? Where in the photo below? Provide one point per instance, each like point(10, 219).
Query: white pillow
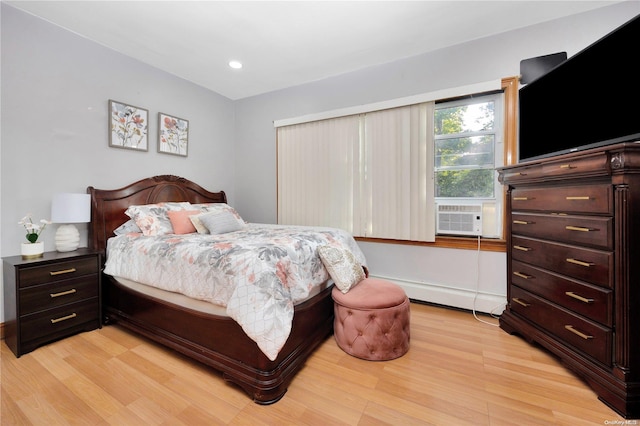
point(342, 266)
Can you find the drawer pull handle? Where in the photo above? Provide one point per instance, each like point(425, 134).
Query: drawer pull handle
point(577, 228)
point(64, 271)
point(521, 275)
point(567, 166)
point(522, 198)
point(68, 317)
point(578, 297)
point(521, 302)
point(578, 333)
point(522, 248)
point(578, 198)
point(521, 222)
point(580, 262)
point(62, 293)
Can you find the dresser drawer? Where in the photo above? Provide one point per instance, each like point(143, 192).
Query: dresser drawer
point(47, 296)
point(54, 321)
point(584, 264)
point(58, 271)
point(592, 231)
point(592, 199)
point(591, 338)
point(549, 170)
point(591, 301)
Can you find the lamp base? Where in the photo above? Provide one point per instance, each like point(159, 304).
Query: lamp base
point(67, 238)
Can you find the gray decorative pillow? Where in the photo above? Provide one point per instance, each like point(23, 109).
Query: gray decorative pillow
point(342, 266)
point(220, 222)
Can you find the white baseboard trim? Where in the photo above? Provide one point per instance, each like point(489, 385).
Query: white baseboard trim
point(449, 296)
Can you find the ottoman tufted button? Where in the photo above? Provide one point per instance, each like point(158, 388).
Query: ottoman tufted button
point(378, 314)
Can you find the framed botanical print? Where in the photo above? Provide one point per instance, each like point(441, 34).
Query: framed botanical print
point(128, 126)
point(173, 135)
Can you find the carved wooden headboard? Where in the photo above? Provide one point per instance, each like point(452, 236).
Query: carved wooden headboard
point(108, 206)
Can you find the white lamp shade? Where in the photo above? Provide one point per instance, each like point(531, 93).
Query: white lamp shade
point(71, 208)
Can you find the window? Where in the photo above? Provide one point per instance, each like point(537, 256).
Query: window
point(468, 140)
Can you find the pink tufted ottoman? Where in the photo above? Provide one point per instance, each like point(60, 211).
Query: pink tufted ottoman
point(372, 320)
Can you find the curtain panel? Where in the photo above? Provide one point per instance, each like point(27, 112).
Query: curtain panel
point(370, 174)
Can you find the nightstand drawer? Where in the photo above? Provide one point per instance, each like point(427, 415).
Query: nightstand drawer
point(588, 336)
point(592, 231)
point(590, 265)
point(591, 301)
point(47, 296)
point(54, 321)
point(58, 271)
point(592, 199)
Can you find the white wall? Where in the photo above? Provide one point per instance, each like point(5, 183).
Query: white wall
point(55, 91)
point(437, 275)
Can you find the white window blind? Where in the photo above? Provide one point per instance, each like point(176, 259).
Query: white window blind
point(317, 168)
point(370, 174)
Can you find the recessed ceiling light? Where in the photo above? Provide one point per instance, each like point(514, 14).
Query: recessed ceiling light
point(236, 65)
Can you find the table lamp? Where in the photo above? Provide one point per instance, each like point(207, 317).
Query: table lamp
point(69, 209)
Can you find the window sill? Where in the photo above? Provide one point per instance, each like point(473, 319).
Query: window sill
point(461, 243)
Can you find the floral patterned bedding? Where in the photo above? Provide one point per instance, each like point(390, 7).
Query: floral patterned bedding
point(259, 273)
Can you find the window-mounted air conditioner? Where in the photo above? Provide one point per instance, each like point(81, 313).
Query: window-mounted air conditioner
point(459, 219)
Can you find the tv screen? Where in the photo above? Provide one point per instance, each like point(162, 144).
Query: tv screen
point(589, 100)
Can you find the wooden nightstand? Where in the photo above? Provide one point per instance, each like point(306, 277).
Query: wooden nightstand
point(51, 297)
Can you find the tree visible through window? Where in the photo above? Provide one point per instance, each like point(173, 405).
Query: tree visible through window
point(465, 149)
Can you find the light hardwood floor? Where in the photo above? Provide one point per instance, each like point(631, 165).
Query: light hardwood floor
point(458, 371)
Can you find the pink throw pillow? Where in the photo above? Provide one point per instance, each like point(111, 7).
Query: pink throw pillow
point(180, 221)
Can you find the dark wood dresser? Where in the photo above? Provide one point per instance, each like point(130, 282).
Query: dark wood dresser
point(573, 265)
point(51, 297)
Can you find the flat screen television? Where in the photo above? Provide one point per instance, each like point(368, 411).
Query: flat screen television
point(592, 99)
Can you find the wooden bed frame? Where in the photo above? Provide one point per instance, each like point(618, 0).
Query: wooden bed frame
point(217, 341)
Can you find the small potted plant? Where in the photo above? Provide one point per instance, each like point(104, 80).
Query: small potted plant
point(33, 248)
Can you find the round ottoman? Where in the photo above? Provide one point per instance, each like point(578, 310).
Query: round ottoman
point(372, 320)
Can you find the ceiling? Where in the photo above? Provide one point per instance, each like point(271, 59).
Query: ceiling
point(287, 43)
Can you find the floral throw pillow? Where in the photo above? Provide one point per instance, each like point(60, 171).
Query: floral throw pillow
point(152, 219)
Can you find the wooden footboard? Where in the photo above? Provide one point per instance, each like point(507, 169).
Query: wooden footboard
point(219, 341)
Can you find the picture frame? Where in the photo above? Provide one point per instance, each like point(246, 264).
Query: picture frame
point(128, 126)
point(173, 135)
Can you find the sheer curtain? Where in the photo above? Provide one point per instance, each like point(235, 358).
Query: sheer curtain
point(370, 174)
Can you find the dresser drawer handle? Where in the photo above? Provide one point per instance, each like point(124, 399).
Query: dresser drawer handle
point(578, 333)
point(62, 293)
point(521, 275)
point(64, 271)
point(68, 317)
point(522, 198)
point(578, 198)
point(567, 166)
point(578, 228)
point(578, 297)
point(521, 302)
point(521, 222)
point(522, 248)
point(580, 262)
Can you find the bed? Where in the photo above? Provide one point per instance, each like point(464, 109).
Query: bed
point(209, 336)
